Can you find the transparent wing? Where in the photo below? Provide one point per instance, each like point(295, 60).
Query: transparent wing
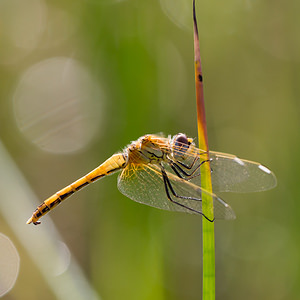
point(232, 174)
point(145, 184)
point(229, 173)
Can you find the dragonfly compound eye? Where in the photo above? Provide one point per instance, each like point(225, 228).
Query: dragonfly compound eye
point(180, 144)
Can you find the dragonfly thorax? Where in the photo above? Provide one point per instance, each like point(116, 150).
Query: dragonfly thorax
point(147, 149)
point(153, 148)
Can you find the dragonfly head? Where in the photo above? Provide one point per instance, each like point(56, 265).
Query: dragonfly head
point(180, 144)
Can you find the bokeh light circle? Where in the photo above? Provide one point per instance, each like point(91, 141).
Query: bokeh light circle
point(63, 259)
point(9, 264)
point(57, 105)
point(179, 12)
point(22, 25)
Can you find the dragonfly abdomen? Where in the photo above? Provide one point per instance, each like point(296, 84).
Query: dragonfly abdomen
point(111, 165)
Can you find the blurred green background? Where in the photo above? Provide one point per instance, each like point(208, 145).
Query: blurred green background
point(81, 79)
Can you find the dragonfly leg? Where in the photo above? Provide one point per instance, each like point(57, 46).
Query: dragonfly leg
point(189, 167)
point(168, 188)
point(186, 174)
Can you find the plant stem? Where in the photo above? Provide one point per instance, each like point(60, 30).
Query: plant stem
point(208, 239)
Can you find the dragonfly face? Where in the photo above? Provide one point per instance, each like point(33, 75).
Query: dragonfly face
point(165, 173)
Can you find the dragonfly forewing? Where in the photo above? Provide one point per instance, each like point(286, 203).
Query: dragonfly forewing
point(228, 172)
point(232, 174)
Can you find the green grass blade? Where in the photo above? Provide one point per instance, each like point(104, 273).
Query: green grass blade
point(208, 244)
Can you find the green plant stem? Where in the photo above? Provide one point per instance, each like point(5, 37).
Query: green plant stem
point(208, 237)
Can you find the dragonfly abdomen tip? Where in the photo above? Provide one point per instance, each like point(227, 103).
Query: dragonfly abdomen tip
point(29, 221)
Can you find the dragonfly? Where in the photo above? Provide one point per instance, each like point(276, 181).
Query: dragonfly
point(164, 172)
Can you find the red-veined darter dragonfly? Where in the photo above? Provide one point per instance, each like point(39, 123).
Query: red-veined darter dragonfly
point(165, 173)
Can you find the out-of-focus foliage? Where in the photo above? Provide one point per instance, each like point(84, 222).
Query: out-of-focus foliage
point(80, 79)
